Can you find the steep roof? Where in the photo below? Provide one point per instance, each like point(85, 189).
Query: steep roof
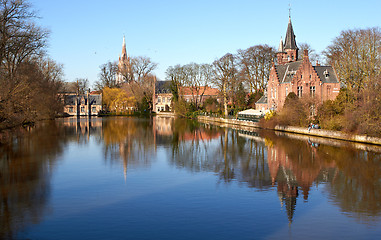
point(163, 87)
point(287, 71)
point(71, 99)
point(208, 91)
point(326, 74)
point(263, 99)
point(290, 42)
point(95, 99)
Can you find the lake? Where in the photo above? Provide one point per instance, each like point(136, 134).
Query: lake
point(171, 178)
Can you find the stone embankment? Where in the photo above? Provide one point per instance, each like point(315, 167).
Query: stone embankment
point(298, 130)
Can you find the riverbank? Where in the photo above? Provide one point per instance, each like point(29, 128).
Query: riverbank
point(313, 132)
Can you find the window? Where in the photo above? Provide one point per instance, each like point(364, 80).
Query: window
point(164, 99)
point(70, 109)
point(328, 90)
point(168, 99)
point(94, 109)
point(286, 91)
point(300, 91)
point(159, 99)
point(82, 109)
point(275, 92)
point(272, 93)
point(312, 91)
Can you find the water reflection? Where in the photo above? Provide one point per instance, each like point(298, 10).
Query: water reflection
point(291, 165)
point(264, 160)
point(25, 171)
point(129, 140)
point(354, 175)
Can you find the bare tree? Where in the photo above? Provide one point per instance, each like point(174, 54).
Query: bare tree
point(225, 74)
point(28, 79)
point(255, 63)
point(312, 55)
point(142, 67)
point(177, 76)
point(82, 85)
point(107, 76)
point(356, 56)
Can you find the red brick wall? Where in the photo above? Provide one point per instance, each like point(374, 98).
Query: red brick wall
point(305, 77)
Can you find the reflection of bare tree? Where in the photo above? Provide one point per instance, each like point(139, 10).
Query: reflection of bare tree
point(356, 188)
point(25, 168)
point(221, 151)
point(192, 146)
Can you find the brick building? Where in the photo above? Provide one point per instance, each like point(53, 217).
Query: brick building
point(162, 99)
point(290, 74)
point(82, 104)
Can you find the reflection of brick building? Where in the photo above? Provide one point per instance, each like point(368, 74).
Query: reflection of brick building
point(200, 135)
point(299, 76)
point(292, 169)
point(163, 125)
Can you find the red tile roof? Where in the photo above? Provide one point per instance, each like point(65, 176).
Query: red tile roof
point(206, 90)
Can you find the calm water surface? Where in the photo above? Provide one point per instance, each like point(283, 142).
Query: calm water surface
point(166, 178)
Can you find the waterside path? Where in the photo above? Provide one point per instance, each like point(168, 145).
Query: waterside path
point(299, 130)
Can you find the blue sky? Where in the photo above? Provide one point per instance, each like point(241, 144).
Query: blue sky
point(88, 33)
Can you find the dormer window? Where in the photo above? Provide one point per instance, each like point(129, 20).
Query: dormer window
point(326, 73)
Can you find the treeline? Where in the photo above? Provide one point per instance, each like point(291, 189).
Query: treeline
point(235, 75)
point(29, 79)
point(356, 58)
point(135, 91)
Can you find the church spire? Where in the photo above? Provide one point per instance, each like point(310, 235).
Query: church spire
point(124, 50)
point(290, 42)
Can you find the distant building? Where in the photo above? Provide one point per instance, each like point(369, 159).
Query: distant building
point(124, 66)
point(299, 76)
point(162, 98)
point(82, 104)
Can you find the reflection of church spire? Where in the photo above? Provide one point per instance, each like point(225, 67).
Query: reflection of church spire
point(288, 195)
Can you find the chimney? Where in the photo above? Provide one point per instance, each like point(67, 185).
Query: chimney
point(317, 63)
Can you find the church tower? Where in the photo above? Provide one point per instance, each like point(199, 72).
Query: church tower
point(288, 52)
point(124, 66)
